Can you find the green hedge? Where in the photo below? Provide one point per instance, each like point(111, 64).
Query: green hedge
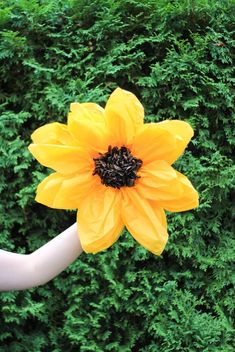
point(178, 58)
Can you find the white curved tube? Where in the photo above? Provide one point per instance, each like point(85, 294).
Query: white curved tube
point(21, 271)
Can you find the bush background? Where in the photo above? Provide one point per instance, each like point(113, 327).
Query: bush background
point(178, 58)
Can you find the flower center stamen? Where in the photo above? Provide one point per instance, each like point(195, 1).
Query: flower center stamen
point(117, 167)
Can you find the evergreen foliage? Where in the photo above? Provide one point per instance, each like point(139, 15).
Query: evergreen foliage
point(178, 58)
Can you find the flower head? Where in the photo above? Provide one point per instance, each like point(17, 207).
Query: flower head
point(115, 170)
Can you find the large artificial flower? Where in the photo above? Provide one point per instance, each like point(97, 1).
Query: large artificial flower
point(115, 170)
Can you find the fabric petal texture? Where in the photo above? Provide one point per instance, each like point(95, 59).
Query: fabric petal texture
point(87, 125)
point(53, 133)
point(187, 198)
point(183, 133)
point(62, 158)
point(99, 220)
point(90, 135)
point(152, 143)
point(64, 192)
point(146, 223)
point(87, 111)
point(115, 171)
point(124, 114)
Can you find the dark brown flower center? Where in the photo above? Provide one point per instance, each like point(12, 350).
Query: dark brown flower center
point(117, 167)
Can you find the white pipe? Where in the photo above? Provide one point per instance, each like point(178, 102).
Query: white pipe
point(21, 271)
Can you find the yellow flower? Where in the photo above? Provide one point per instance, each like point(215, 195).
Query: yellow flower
point(115, 170)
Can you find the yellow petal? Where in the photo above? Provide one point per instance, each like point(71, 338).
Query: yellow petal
point(48, 188)
point(63, 192)
point(153, 143)
point(91, 135)
point(188, 199)
point(146, 223)
point(78, 187)
point(156, 174)
point(177, 194)
point(182, 131)
point(99, 219)
point(87, 111)
point(61, 158)
point(124, 114)
point(53, 133)
point(158, 181)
